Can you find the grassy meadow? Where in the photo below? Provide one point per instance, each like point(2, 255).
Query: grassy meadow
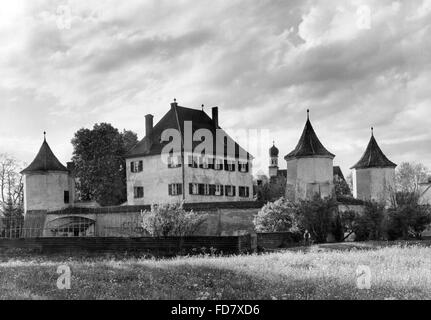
point(317, 272)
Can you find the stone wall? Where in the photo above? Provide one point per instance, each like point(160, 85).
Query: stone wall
point(374, 184)
point(225, 219)
point(45, 191)
point(308, 176)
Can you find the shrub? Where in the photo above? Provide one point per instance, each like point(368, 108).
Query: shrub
point(408, 219)
point(319, 217)
point(371, 224)
point(277, 216)
point(171, 220)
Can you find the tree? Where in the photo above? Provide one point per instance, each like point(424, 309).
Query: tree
point(100, 166)
point(318, 216)
point(11, 197)
point(278, 216)
point(272, 190)
point(171, 220)
point(370, 225)
point(11, 185)
point(409, 175)
point(408, 219)
point(341, 187)
point(349, 181)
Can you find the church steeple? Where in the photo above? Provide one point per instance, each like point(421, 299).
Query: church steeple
point(273, 160)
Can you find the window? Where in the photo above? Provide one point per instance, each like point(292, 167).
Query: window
point(175, 189)
point(218, 164)
point(193, 161)
point(218, 190)
point(243, 166)
point(193, 188)
point(229, 165)
point(174, 161)
point(138, 192)
point(211, 163)
point(136, 166)
point(206, 162)
point(207, 189)
point(244, 192)
point(230, 191)
point(66, 197)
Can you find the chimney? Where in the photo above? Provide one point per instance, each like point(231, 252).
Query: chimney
point(174, 104)
point(148, 124)
point(215, 116)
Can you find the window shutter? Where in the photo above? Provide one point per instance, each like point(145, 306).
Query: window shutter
point(141, 166)
point(132, 166)
point(226, 167)
point(190, 188)
point(170, 189)
point(180, 188)
point(234, 190)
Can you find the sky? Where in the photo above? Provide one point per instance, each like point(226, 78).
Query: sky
point(66, 65)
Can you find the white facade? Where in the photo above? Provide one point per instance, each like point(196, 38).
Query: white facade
point(46, 190)
point(307, 177)
point(377, 184)
point(155, 176)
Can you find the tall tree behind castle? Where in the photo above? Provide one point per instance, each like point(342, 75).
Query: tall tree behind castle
point(11, 187)
point(408, 176)
point(100, 167)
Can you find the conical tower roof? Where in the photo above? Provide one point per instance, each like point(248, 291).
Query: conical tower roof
point(45, 161)
point(309, 144)
point(373, 157)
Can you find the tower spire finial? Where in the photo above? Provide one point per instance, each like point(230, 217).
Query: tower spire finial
point(308, 114)
point(202, 107)
point(372, 131)
point(44, 136)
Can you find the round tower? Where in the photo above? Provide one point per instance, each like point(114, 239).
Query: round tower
point(309, 167)
point(273, 161)
point(48, 184)
point(374, 175)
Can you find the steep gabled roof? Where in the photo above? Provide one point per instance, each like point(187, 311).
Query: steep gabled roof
point(45, 161)
point(337, 172)
point(174, 119)
point(309, 145)
point(373, 157)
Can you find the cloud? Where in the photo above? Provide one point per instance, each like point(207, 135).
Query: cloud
point(263, 64)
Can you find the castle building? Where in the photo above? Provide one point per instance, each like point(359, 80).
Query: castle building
point(374, 175)
point(219, 172)
point(309, 167)
point(48, 185)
